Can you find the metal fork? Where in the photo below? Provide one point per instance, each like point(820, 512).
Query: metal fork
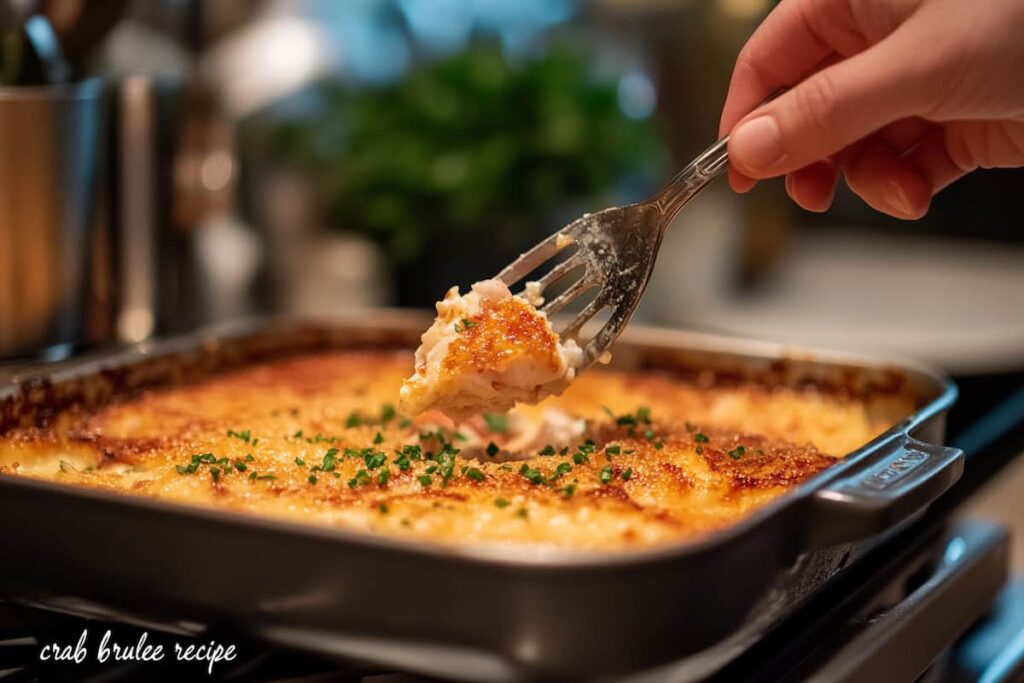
point(616, 249)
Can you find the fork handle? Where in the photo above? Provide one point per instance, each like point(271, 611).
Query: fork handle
point(691, 180)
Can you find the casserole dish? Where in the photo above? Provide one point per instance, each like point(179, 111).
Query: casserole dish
point(477, 613)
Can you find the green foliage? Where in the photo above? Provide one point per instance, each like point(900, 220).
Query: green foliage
point(469, 143)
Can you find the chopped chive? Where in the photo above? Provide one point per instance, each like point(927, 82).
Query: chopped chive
point(353, 420)
point(492, 449)
point(300, 462)
point(240, 466)
point(496, 423)
point(626, 474)
point(606, 474)
point(701, 437)
point(383, 508)
point(312, 479)
point(387, 413)
point(475, 474)
point(737, 452)
point(379, 438)
point(613, 450)
point(547, 450)
point(248, 457)
point(501, 503)
point(425, 479)
point(383, 477)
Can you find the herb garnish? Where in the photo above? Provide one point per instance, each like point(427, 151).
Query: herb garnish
point(701, 437)
point(362, 478)
point(379, 438)
point(626, 474)
point(737, 452)
point(492, 449)
point(466, 324)
point(425, 479)
point(353, 420)
point(547, 450)
point(496, 423)
point(475, 474)
point(312, 479)
point(606, 474)
point(531, 474)
point(501, 503)
point(567, 490)
point(244, 436)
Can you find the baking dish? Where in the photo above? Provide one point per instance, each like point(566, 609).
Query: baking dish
point(471, 613)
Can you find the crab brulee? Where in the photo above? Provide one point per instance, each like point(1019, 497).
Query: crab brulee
point(486, 351)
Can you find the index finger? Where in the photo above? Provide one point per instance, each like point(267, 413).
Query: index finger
point(798, 38)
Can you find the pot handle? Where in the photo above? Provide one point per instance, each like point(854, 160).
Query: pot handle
point(881, 495)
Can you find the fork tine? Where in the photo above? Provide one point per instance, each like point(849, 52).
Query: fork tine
point(589, 311)
point(575, 289)
point(521, 267)
point(559, 271)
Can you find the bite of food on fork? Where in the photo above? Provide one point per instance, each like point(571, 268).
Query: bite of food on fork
point(486, 351)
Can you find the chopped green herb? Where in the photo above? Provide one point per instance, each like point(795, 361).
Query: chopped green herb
point(496, 423)
point(312, 479)
point(649, 434)
point(240, 466)
point(330, 460)
point(265, 477)
point(631, 451)
point(425, 479)
point(547, 450)
point(563, 468)
point(568, 490)
point(505, 468)
point(613, 450)
point(383, 477)
point(606, 474)
point(297, 435)
point(465, 325)
point(522, 512)
point(379, 438)
point(737, 452)
point(248, 457)
point(627, 474)
point(383, 508)
point(252, 475)
point(658, 445)
point(701, 437)
point(492, 449)
point(580, 458)
point(404, 423)
point(475, 474)
point(375, 460)
point(608, 412)
point(184, 469)
point(501, 503)
point(244, 436)
point(215, 473)
point(362, 478)
point(531, 474)
point(353, 420)
point(387, 413)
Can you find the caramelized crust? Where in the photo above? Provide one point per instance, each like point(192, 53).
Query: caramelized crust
point(669, 460)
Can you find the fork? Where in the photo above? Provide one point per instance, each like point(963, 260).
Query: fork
point(616, 249)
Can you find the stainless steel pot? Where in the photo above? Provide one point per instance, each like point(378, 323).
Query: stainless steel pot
point(55, 284)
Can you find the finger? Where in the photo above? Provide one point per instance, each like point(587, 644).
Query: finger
point(739, 182)
point(931, 157)
point(791, 43)
point(887, 182)
point(830, 110)
point(813, 187)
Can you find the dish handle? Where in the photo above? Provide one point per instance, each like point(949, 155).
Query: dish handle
point(873, 499)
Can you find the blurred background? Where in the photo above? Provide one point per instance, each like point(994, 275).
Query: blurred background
point(165, 164)
point(170, 163)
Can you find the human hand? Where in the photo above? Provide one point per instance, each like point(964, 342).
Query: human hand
point(901, 96)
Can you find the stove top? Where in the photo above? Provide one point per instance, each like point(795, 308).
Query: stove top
point(933, 603)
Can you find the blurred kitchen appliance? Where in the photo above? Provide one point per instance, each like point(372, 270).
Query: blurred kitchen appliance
point(92, 250)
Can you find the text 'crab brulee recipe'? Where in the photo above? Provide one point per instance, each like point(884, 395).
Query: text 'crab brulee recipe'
point(108, 650)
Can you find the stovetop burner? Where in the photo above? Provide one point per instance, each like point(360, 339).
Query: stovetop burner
point(891, 622)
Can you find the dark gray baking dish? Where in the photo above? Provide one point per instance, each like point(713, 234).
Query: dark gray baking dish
point(469, 613)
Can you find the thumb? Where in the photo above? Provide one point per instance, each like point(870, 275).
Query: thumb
point(831, 109)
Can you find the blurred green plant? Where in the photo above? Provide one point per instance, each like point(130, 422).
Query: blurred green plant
point(472, 142)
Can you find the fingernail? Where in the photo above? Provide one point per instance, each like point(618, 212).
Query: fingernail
point(898, 200)
point(757, 144)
